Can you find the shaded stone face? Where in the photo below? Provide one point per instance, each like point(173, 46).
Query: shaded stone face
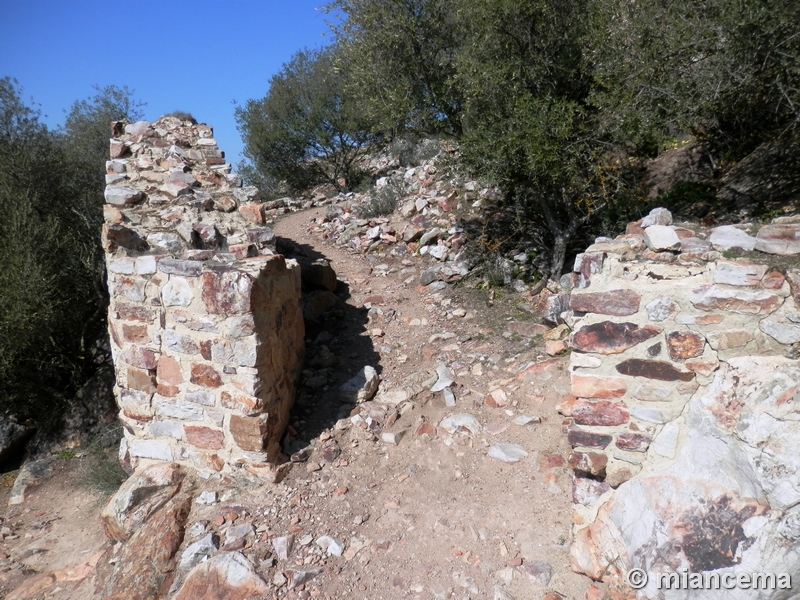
point(685, 344)
point(587, 439)
point(592, 464)
point(248, 432)
point(619, 303)
point(612, 338)
point(653, 369)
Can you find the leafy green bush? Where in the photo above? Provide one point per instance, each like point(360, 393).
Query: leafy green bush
point(52, 293)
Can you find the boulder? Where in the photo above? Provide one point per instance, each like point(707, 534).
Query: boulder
point(228, 576)
point(729, 500)
point(138, 498)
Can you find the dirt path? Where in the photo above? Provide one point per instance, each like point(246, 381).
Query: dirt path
point(444, 519)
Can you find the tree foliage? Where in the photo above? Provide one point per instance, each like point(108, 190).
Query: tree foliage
point(52, 291)
point(555, 99)
point(402, 54)
point(306, 130)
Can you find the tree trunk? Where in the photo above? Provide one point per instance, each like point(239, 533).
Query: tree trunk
point(559, 255)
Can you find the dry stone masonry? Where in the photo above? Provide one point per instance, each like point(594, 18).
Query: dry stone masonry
point(205, 319)
point(685, 405)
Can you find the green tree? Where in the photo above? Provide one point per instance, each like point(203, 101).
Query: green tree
point(527, 123)
point(306, 130)
point(401, 56)
point(52, 292)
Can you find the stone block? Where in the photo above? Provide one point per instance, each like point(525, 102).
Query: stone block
point(249, 433)
point(653, 369)
point(739, 273)
point(685, 344)
point(138, 356)
point(602, 413)
point(205, 375)
point(776, 239)
point(226, 291)
point(179, 342)
point(608, 337)
point(592, 464)
point(153, 449)
point(587, 439)
point(141, 380)
point(169, 371)
point(710, 297)
point(590, 386)
point(633, 442)
point(619, 303)
point(204, 437)
point(184, 268)
point(200, 397)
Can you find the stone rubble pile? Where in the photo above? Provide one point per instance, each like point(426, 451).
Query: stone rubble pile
point(683, 415)
point(205, 319)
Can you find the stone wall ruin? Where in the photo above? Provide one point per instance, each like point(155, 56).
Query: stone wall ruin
point(684, 416)
point(205, 321)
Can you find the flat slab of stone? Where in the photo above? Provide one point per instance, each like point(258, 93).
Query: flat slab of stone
point(728, 237)
point(711, 297)
point(783, 333)
point(739, 273)
point(653, 369)
point(590, 386)
point(618, 303)
point(660, 238)
point(609, 337)
point(779, 239)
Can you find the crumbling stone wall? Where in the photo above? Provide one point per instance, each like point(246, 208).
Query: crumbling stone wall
point(205, 320)
point(681, 336)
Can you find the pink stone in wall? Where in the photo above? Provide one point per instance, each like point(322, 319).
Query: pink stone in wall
point(612, 338)
point(633, 442)
point(711, 297)
point(588, 463)
point(205, 375)
point(602, 413)
point(685, 344)
point(226, 291)
point(773, 280)
point(589, 386)
point(618, 303)
point(204, 437)
point(169, 371)
point(137, 356)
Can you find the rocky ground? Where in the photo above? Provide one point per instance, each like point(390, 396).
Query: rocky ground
point(461, 492)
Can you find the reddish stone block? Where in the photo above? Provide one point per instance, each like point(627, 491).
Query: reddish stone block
point(592, 464)
point(135, 313)
point(205, 349)
point(226, 291)
point(248, 405)
point(633, 442)
point(612, 338)
point(169, 371)
point(773, 280)
point(134, 333)
point(141, 380)
point(204, 236)
point(634, 228)
point(252, 213)
point(205, 375)
point(589, 386)
point(169, 391)
point(685, 344)
point(137, 356)
point(653, 369)
point(587, 439)
point(117, 148)
point(249, 433)
point(224, 204)
point(204, 437)
point(603, 413)
point(619, 303)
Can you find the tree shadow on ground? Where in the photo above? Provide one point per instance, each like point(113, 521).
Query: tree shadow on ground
point(337, 348)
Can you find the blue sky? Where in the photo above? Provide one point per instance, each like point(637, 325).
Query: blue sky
point(196, 56)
